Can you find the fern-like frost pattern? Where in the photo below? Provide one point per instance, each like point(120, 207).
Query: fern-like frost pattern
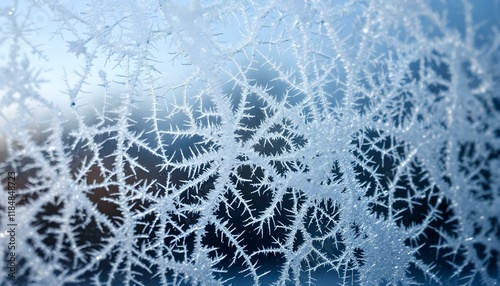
point(259, 142)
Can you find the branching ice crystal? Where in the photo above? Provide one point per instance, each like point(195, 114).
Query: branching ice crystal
point(276, 142)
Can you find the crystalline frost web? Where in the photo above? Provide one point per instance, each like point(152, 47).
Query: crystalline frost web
point(258, 142)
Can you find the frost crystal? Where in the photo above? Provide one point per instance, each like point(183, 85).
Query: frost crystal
point(350, 142)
